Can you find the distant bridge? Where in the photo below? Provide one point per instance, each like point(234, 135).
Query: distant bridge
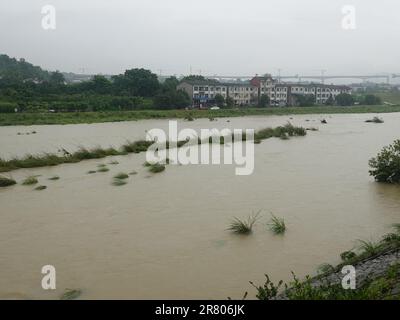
point(321, 78)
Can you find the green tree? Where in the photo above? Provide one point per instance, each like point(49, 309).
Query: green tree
point(193, 77)
point(230, 103)
point(306, 100)
point(264, 101)
point(57, 78)
point(172, 99)
point(100, 84)
point(371, 100)
point(330, 101)
point(137, 82)
point(344, 99)
point(170, 84)
point(219, 100)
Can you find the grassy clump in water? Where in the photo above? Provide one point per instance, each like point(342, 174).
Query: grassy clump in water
point(53, 178)
point(48, 159)
point(121, 176)
point(156, 168)
point(277, 225)
point(30, 181)
point(137, 146)
point(189, 117)
point(71, 294)
point(119, 182)
point(91, 171)
point(114, 162)
point(244, 227)
point(103, 169)
point(40, 188)
point(375, 120)
point(5, 182)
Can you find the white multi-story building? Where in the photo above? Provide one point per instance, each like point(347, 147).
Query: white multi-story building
point(203, 92)
point(243, 94)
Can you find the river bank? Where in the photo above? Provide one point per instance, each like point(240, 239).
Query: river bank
point(117, 116)
point(376, 267)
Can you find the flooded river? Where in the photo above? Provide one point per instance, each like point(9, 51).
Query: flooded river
point(164, 235)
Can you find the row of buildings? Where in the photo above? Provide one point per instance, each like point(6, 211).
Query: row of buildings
point(203, 92)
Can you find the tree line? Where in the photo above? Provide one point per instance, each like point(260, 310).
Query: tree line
point(25, 87)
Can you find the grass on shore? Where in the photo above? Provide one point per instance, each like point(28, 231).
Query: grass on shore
point(382, 287)
point(116, 116)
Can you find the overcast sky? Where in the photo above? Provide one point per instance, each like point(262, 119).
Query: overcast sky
point(228, 37)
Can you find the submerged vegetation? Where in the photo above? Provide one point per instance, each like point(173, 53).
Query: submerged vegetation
point(53, 178)
point(121, 176)
point(375, 120)
point(119, 182)
point(5, 182)
point(40, 188)
point(277, 225)
point(71, 294)
point(50, 159)
point(156, 167)
point(30, 181)
point(386, 165)
point(244, 227)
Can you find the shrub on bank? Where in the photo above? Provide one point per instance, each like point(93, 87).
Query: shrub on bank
point(386, 165)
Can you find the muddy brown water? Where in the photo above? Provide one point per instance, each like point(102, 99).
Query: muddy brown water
point(164, 235)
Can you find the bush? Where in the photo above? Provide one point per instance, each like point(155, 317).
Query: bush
point(386, 165)
point(371, 100)
point(7, 107)
point(344, 99)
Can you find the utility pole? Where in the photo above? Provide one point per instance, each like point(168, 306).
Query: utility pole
point(323, 76)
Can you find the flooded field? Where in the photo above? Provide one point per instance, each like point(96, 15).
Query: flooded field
point(163, 236)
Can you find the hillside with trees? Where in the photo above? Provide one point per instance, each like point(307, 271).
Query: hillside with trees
point(28, 88)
